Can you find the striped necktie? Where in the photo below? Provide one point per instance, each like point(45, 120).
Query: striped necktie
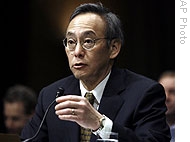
point(86, 133)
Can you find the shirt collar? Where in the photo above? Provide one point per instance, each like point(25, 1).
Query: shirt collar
point(98, 91)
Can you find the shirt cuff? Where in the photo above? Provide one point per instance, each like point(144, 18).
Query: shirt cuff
point(107, 128)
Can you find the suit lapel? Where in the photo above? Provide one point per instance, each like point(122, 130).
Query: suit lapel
point(111, 101)
point(75, 132)
point(110, 106)
point(71, 86)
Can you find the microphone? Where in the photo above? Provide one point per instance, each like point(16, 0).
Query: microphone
point(59, 93)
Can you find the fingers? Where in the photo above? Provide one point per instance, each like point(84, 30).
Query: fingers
point(69, 106)
point(66, 111)
point(77, 109)
point(68, 98)
point(66, 104)
point(69, 101)
point(68, 114)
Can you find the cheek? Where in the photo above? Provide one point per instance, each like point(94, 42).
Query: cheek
point(100, 59)
point(173, 98)
point(103, 53)
point(67, 53)
point(69, 57)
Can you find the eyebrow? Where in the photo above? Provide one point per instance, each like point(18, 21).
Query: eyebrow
point(86, 33)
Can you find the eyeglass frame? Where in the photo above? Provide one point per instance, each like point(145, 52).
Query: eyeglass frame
point(65, 43)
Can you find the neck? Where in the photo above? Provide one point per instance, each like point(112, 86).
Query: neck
point(90, 84)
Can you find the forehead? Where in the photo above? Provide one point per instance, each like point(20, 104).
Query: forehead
point(86, 24)
point(14, 108)
point(168, 81)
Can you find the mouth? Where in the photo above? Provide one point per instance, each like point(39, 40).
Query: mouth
point(79, 65)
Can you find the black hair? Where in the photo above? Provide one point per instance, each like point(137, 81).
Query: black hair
point(113, 23)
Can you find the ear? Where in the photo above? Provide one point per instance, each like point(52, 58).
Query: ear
point(115, 47)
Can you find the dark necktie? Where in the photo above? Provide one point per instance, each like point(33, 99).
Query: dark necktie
point(86, 133)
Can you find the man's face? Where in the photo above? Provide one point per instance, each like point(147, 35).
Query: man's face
point(168, 83)
point(88, 64)
point(15, 119)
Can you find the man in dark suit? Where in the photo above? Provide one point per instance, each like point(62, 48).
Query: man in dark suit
point(125, 102)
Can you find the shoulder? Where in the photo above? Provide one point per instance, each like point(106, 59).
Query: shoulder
point(133, 83)
point(130, 77)
point(138, 88)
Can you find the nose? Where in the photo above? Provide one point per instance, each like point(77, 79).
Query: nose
point(79, 51)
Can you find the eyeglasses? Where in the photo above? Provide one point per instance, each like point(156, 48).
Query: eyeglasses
point(86, 43)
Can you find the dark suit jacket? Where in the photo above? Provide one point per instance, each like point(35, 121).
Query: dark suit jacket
point(134, 103)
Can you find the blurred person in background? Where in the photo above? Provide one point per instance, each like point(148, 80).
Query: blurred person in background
point(19, 106)
point(167, 79)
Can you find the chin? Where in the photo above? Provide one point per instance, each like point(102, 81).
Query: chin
point(79, 74)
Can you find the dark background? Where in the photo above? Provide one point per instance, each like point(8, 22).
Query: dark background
point(31, 40)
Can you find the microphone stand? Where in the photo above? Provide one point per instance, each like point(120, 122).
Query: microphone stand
point(59, 93)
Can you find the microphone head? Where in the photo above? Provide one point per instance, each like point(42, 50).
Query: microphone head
point(60, 92)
